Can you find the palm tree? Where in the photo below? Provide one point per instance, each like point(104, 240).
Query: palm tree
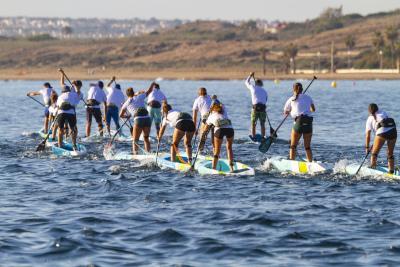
point(392, 35)
point(290, 54)
point(379, 43)
point(350, 44)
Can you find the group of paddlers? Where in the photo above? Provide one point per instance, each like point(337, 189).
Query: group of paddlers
point(140, 109)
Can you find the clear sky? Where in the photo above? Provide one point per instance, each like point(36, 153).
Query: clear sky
point(289, 10)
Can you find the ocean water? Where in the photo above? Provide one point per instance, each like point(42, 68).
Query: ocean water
point(93, 212)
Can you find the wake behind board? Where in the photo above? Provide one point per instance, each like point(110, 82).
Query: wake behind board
point(378, 171)
point(297, 167)
point(127, 155)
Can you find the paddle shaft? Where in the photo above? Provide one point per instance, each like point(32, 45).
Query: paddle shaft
point(112, 139)
point(365, 158)
point(66, 77)
point(287, 115)
point(37, 101)
point(39, 147)
point(158, 143)
point(197, 129)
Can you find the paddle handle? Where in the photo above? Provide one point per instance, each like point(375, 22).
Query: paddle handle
point(66, 77)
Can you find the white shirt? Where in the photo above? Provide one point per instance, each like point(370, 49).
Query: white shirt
point(156, 95)
point(301, 106)
point(46, 93)
point(214, 118)
point(115, 96)
point(171, 119)
point(134, 103)
point(258, 94)
point(97, 94)
point(72, 98)
point(202, 104)
point(372, 124)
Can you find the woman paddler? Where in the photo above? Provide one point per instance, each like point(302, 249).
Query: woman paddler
point(300, 108)
point(135, 107)
point(183, 126)
point(219, 120)
point(385, 130)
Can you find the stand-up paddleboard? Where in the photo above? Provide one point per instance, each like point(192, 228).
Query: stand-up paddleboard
point(66, 150)
point(365, 171)
point(258, 139)
point(180, 164)
point(297, 167)
point(204, 166)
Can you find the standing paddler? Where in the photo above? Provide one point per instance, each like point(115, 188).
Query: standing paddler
point(300, 108)
point(66, 103)
point(96, 96)
point(222, 127)
point(135, 107)
point(46, 94)
point(154, 101)
point(259, 99)
point(201, 105)
point(385, 130)
point(183, 126)
point(115, 100)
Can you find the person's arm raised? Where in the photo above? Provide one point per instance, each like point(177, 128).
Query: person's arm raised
point(62, 79)
point(111, 81)
point(150, 88)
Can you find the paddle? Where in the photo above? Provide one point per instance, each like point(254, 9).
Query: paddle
point(158, 143)
point(362, 163)
point(266, 144)
point(42, 145)
point(37, 101)
point(112, 139)
point(200, 146)
point(69, 81)
point(197, 129)
point(272, 132)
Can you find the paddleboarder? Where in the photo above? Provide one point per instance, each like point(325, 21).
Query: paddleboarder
point(45, 92)
point(259, 97)
point(385, 130)
point(300, 108)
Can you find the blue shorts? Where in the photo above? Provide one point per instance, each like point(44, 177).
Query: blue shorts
point(155, 114)
point(46, 112)
point(112, 113)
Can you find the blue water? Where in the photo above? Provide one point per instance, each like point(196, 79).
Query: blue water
point(92, 212)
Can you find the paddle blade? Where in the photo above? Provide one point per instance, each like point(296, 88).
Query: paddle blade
point(265, 145)
point(41, 146)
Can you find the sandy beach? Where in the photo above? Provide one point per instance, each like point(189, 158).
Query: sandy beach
point(178, 74)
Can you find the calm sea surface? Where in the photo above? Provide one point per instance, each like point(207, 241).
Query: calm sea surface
point(93, 212)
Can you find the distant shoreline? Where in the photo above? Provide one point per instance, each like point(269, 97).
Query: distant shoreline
point(178, 74)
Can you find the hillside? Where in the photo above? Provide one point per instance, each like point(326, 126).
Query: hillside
point(208, 45)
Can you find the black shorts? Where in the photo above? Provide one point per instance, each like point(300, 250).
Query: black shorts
point(65, 118)
point(221, 132)
point(389, 135)
point(96, 112)
point(303, 125)
point(186, 126)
